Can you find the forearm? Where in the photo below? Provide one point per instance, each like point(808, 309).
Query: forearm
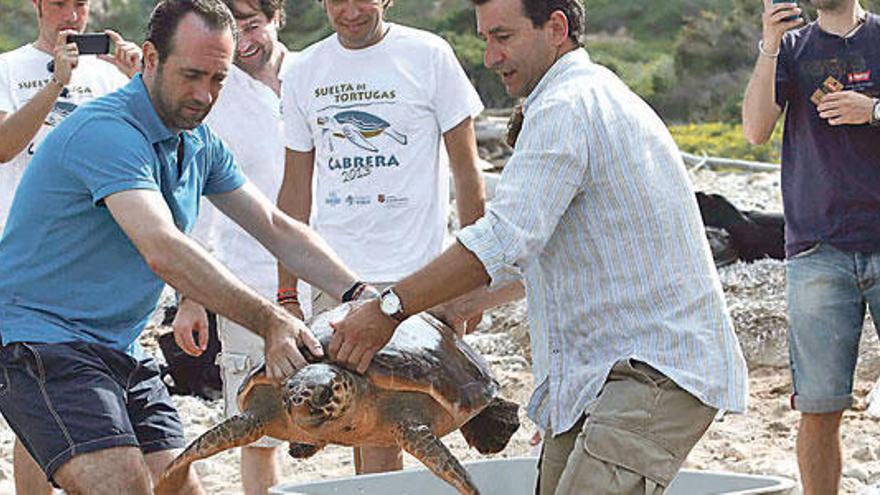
point(470, 195)
point(17, 129)
point(187, 267)
point(477, 301)
point(302, 252)
point(760, 111)
point(295, 200)
point(455, 272)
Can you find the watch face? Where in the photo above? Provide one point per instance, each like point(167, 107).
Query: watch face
point(389, 304)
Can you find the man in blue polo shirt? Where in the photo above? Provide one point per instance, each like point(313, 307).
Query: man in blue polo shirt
point(96, 229)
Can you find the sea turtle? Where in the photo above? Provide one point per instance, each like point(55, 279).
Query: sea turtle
point(357, 127)
point(426, 382)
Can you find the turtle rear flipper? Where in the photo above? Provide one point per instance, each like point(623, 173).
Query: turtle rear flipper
point(236, 431)
point(421, 443)
point(489, 431)
point(303, 450)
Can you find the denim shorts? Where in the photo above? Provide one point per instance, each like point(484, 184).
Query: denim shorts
point(68, 399)
point(828, 291)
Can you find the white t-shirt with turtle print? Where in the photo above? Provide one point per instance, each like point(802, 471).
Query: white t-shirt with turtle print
point(23, 73)
point(375, 118)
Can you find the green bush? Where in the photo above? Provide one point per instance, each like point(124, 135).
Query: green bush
point(725, 140)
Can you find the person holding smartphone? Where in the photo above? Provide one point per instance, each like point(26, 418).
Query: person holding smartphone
point(825, 76)
point(33, 100)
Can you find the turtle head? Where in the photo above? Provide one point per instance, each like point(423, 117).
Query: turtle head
point(318, 393)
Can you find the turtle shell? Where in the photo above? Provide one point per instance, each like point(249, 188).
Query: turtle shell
point(362, 120)
point(424, 355)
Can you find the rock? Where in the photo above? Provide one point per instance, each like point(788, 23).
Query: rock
point(864, 454)
point(857, 472)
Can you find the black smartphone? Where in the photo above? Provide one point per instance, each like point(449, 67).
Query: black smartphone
point(789, 18)
point(91, 43)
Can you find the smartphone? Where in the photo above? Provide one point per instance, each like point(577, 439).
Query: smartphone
point(789, 18)
point(91, 43)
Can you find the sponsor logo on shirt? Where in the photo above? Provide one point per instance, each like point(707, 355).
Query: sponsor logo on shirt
point(333, 199)
point(352, 200)
point(392, 201)
point(857, 77)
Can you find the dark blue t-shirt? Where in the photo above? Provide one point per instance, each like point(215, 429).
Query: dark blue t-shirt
point(830, 174)
point(67, 270)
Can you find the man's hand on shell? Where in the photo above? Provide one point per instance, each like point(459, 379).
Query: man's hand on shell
point(358, 336)
point(282, 348)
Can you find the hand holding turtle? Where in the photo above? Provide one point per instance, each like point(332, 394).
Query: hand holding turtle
point(282, 352)
point(358, 336)
point(191, 320)
point(846, 107)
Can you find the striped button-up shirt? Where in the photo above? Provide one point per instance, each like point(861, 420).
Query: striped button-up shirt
point(596, 213)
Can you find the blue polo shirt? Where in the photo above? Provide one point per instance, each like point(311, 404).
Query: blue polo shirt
point(67, 270)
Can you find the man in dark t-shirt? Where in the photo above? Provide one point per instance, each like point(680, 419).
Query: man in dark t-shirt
point(825, 75)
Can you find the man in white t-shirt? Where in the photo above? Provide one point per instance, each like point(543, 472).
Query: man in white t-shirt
point(364, 113)
point(247, 116)
point(32, 101)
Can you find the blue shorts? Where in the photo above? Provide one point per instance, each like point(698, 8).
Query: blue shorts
point(68, 399)
point(828, 291)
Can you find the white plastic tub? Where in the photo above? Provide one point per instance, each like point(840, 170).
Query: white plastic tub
point(516, 476)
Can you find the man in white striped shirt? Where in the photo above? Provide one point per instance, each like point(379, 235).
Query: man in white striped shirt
point(633, 349)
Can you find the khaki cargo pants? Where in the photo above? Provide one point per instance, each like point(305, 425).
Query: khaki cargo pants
point(633, 439)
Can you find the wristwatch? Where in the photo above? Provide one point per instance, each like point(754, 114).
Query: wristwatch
point(390, 304)
point(875, 115)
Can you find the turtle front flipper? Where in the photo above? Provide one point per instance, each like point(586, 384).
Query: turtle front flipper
point(421, 443)
point(303, 450)
point(236, 431)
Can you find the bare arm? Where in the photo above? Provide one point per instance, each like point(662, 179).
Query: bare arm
point(182, 263)
point(760, 111)
point(470, 195)
point(18, 128)
point(296, 246)
point(463, 308)
point(470, 192)
point(295, 199)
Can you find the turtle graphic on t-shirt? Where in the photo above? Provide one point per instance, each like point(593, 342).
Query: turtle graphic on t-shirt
point(59, 112)
point(357, 127)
